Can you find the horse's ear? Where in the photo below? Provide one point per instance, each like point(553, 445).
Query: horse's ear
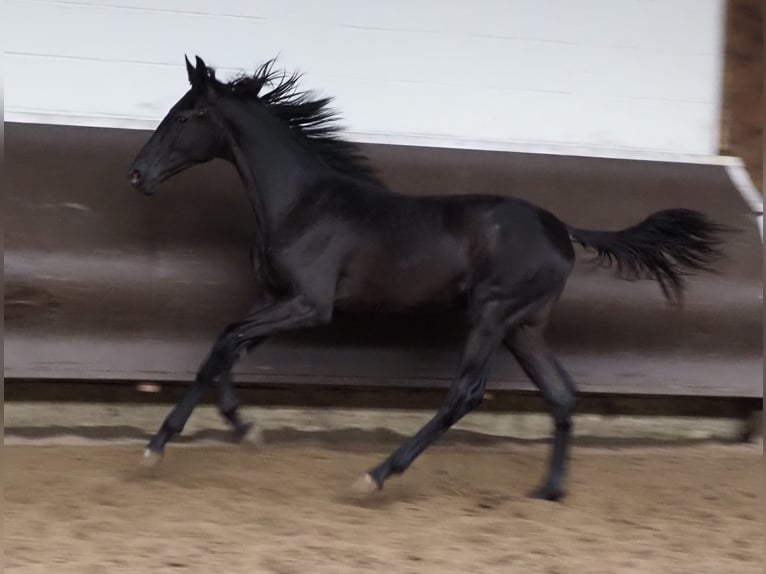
point(191, 72)
point(198, 76)
point(202, 73)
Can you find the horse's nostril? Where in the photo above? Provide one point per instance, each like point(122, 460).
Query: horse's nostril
point(135, 177)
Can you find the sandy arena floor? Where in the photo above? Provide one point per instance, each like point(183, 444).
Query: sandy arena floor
point(286, 509)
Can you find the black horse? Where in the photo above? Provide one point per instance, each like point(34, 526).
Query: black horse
point(331, 236)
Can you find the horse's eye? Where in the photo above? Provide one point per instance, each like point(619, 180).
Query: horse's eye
point(181, 119)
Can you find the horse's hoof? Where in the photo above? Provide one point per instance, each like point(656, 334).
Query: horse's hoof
point(252, 437)
point(151, 458)
point(548, 492)
point(366, 485)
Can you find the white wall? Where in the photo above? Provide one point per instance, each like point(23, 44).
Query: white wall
point(603, 74)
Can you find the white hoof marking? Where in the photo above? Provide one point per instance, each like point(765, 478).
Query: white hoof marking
point(365, 485)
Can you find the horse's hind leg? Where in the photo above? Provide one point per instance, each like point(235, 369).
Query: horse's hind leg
point(559, 392)
point(490, 325)
point(464, 395)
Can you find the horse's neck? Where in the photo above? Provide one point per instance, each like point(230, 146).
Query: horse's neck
point(273, 166)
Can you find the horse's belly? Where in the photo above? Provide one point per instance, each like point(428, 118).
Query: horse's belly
point(400, 288)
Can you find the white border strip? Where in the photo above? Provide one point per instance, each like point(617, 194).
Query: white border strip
point(740, 178)
point(404, 139)
point(541, 148)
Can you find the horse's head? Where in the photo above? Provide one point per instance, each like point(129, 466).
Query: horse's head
point(188, 135)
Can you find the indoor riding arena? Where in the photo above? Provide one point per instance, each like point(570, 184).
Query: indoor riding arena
point(496, 306)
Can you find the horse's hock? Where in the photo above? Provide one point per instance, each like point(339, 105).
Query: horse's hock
point(104, 284)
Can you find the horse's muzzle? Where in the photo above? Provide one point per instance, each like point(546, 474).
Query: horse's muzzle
point(138, 181)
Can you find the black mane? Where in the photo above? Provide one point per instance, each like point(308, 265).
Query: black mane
point(310, 117)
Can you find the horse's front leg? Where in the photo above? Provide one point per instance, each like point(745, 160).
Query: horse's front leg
point(289, 314)
point(228, 403)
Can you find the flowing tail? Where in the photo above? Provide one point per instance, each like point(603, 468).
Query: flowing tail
point(666, 246)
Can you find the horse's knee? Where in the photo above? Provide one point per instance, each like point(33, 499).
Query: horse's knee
point(475, 397)
point(323, 314)
point(320, 312)
point(562, 407)
point(210, 371)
